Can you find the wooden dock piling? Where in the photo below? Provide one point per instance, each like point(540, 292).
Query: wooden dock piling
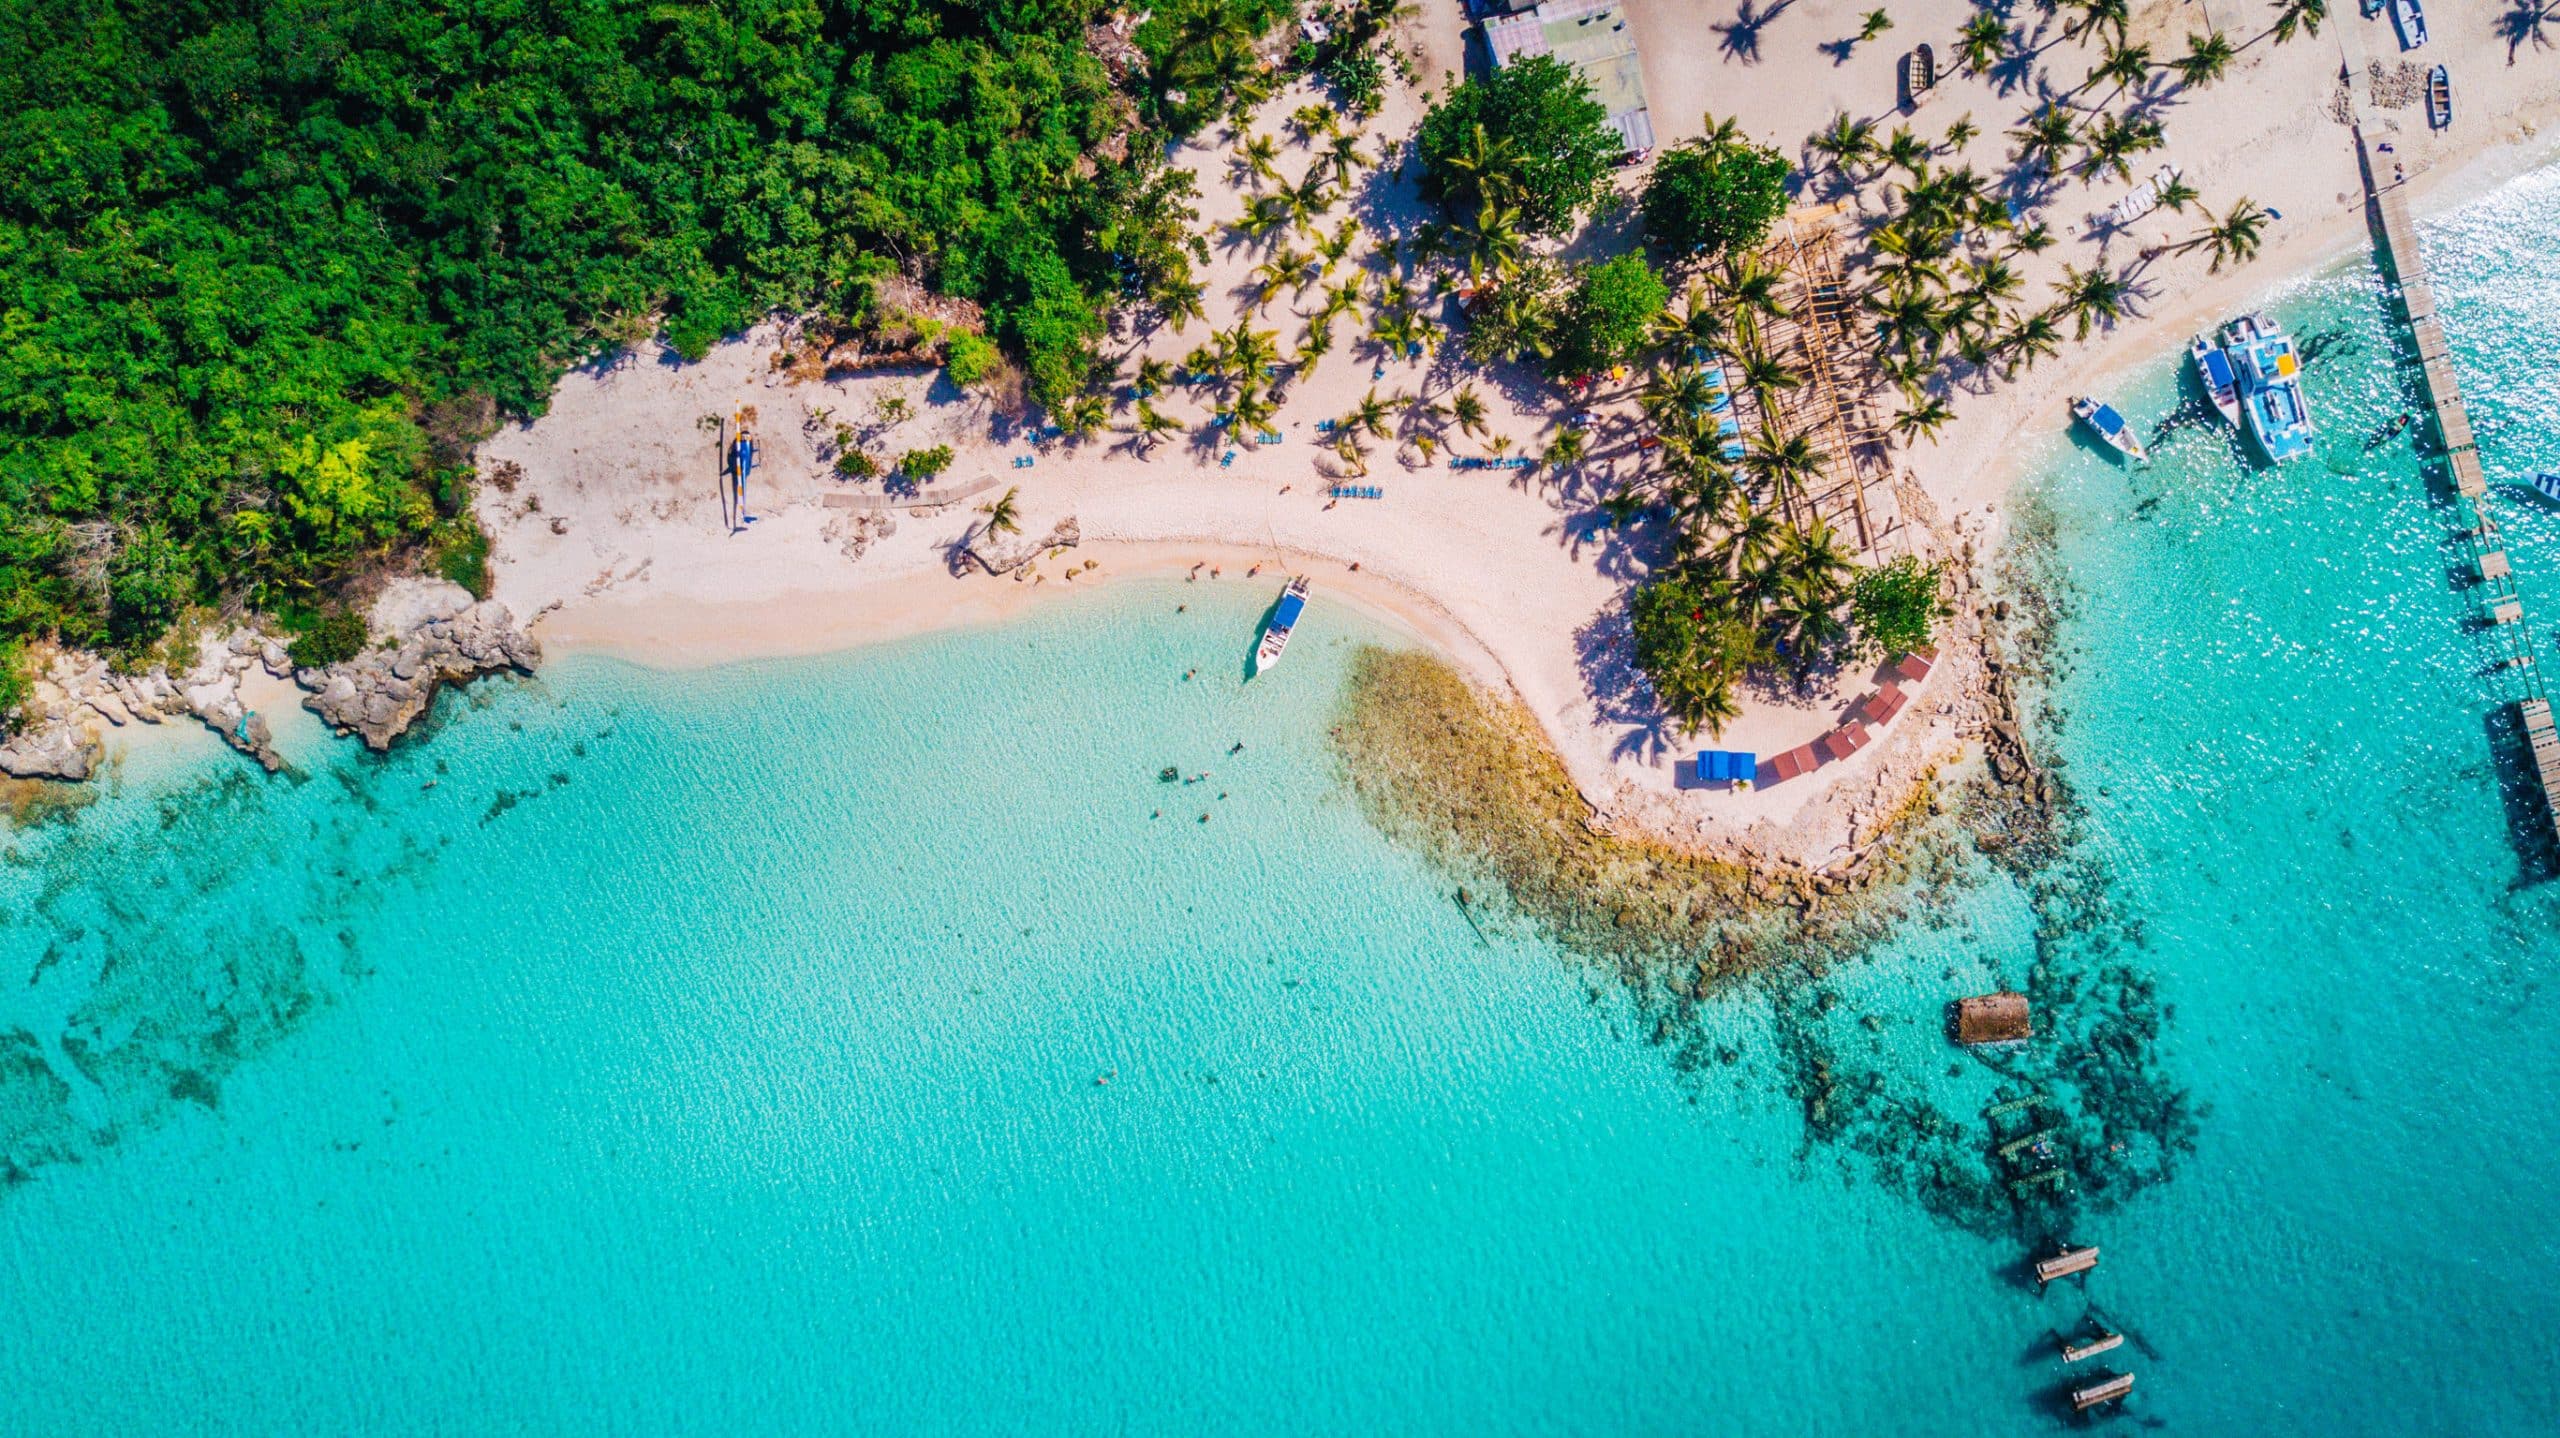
point(2066, 1263)
point(2106, 1391)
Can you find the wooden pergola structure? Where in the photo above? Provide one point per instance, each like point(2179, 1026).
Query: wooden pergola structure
point(1819, 338)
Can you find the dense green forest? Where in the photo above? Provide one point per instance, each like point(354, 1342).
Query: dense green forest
point(271, 266)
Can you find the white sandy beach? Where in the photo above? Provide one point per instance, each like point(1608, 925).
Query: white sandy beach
point(616, 533)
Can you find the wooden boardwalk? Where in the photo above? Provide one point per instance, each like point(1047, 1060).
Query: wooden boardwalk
point(2501, 602)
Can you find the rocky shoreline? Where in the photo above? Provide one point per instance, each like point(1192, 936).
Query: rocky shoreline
point(426, 634)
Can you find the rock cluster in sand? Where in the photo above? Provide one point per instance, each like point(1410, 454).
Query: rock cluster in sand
point(1004, 553)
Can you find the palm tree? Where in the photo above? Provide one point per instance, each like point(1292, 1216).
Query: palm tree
point(1487, 169)
point(2090, 297)
point(1961, 133)
point(1980, 43)
point(2127, 65)
point(1910, 320)
point(1252, 410)
point(1565, 450)
point(1519, 319)
point(1369, 416)
point(2033, 238)
point(1907, 257)
point(1467, 408)
point(1310, 200)
point(2115, 141)
point(1783, 462)
point(1493, 246)
point(1180, 301)
point(1266, 217)
point(2046, 138)
point(2176, 195)
point(2235, 236)
point(1253, 159)
point(1344, 156)
point(2298, 17)
point(1083, 415)
point(1400, 331)
point(1313, 346)
point(1313, 120)
point(1923, 420)
point(1768, 375)
point(1848, 144)
point(2032, 338)
point(1676, 393)
point(1272, 274)
point(2098, 15)
point(1152, 424)
point(1749, 282)
point(1334, 248)
point(1906, 152)
point(1346, 443)
point(1698, 323)
point(1153, 375)
point(1000, 512)
point(2208, 56)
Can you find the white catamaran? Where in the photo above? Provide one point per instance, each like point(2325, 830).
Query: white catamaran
point(1275, 635)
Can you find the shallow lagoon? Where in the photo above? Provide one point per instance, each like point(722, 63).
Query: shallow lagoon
point(673, 1052)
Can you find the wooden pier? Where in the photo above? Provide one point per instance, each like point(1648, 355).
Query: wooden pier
point(2502, 606)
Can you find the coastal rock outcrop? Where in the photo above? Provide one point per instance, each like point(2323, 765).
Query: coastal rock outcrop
point(52, 747)
point(57, 734)
point(442, 636)
point(1001, 554)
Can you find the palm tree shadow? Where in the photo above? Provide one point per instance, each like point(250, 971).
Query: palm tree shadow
point(2526, 22)
point(1740, 36)
point(1621, 697)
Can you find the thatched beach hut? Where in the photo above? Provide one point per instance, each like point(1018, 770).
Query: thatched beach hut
point(1999, 1018)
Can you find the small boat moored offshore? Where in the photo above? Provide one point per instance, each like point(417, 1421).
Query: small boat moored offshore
point(2439, 98)
point(1275, 635)
point(2412, 22)
point(2270, 373)
point(2549, 484)
point(2106, 424)
point(2213, 371)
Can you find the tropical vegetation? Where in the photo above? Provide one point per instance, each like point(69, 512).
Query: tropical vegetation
point(272, 269)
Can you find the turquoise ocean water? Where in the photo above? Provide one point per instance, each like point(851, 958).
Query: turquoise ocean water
point(684, 1053)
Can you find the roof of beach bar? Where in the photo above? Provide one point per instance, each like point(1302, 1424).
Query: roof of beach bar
point(1592, 37)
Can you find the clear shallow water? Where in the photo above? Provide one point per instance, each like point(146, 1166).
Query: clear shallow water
point(721, 1048)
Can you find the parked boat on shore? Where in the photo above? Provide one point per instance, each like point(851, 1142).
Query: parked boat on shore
point(2439, 98)
point(2213, 371)
point(2106, 424)
point(2411, 21)
point(2262, 355)
point(1275, 635)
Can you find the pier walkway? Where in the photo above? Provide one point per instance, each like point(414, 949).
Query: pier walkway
point(2396, 236)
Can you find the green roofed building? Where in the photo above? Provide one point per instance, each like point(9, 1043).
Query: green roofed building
point(1591, 36)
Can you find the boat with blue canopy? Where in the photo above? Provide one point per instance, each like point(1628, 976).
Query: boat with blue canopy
point(1275, 635)
point(2213, 371)
point(2271, 397)
point(2106, 424)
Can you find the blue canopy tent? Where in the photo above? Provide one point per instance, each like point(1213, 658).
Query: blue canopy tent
point(1727, 766)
